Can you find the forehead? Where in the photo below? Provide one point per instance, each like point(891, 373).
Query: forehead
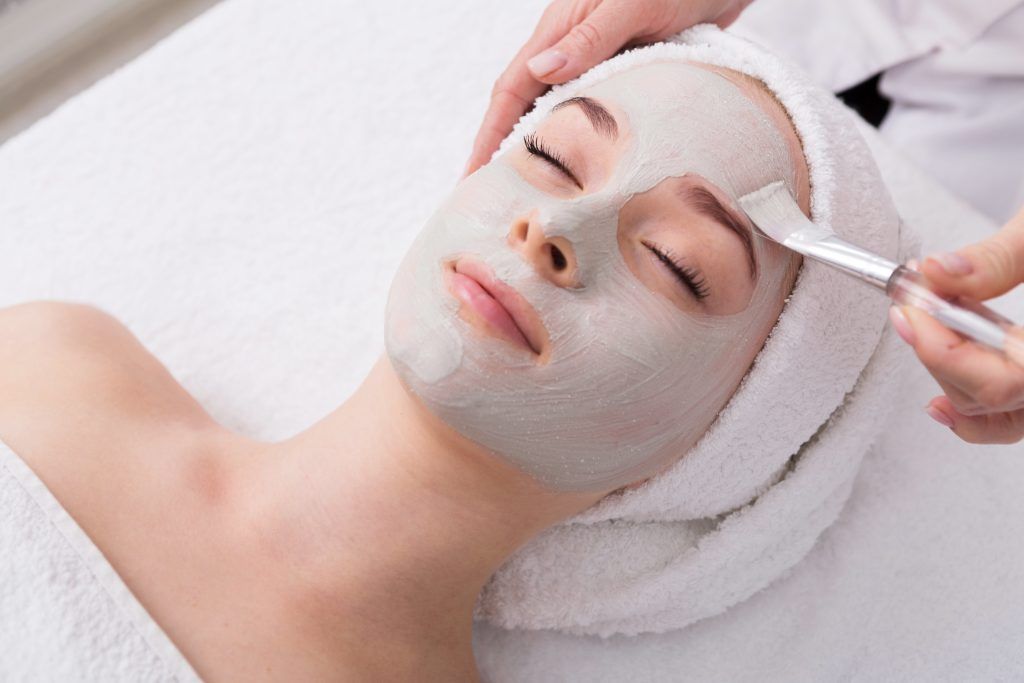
point(681, 117)
point(672, 84)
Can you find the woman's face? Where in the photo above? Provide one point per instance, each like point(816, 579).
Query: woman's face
point(585, 304)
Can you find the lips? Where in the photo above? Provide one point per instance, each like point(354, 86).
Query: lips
point(503, 311)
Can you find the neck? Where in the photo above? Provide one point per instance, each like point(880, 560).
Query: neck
point(388, 522)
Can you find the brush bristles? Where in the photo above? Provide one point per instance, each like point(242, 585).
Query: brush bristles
point(774, 211)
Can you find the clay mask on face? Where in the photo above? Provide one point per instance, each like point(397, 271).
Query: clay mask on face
point(632, 380)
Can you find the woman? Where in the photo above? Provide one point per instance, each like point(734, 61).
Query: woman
point(357, 548)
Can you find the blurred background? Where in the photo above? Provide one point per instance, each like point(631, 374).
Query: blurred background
point(52, 49)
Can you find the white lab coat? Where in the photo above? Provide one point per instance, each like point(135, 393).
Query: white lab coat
point(954, 70)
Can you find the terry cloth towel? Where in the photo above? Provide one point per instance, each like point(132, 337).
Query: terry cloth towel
point(775, 469)
point(65, 614)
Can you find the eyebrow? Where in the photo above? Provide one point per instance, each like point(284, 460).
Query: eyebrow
point(707, 204)
point(600, 118)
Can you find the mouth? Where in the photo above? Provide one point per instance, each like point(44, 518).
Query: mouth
point(495, 306)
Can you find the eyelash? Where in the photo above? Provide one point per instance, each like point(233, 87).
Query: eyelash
point(690, 277)
point(536, 148)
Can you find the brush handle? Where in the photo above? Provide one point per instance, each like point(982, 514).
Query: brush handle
point(970, 318)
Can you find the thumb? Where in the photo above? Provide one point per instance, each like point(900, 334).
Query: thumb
point(596, 38)
point(983, 270)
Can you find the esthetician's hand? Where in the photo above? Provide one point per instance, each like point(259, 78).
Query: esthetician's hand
point(984, 400)
point(574, 35)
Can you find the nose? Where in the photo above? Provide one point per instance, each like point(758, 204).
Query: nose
point(552, 257)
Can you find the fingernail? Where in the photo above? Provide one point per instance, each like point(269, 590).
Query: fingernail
point(939, 416)
point(465, 170)
point(546, 62)
point(913, 264)
point(954, 263)
point(902, 325)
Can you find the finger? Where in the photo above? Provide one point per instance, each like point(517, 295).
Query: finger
point(991, 379)
point(981, 271)
point(507, 105)
point(516, 89)
point(962, 401)
point(1004, 428)
point(732, 13)
point(590, 41)
point(966, 404)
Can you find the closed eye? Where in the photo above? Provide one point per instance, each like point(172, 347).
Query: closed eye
point(690, 278)
point(536, 148)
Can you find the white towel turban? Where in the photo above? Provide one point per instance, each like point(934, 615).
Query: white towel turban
point(777, 466)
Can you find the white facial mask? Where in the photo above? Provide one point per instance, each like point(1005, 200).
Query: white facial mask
point(632, 380)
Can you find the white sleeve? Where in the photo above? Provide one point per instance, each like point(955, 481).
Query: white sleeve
point(842, 43)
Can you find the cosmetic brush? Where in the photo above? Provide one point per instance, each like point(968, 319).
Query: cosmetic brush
point(776, 214)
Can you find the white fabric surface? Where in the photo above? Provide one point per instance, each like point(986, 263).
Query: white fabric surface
point(65, 614)
point(241, 195)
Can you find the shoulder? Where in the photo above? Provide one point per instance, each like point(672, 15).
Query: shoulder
point(103, 424)
point(47, 346)
point(46, 326)
point(73, 373)
point(39, 316)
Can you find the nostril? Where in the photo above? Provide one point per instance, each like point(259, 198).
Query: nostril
point(558, 259)
point(520, 231)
